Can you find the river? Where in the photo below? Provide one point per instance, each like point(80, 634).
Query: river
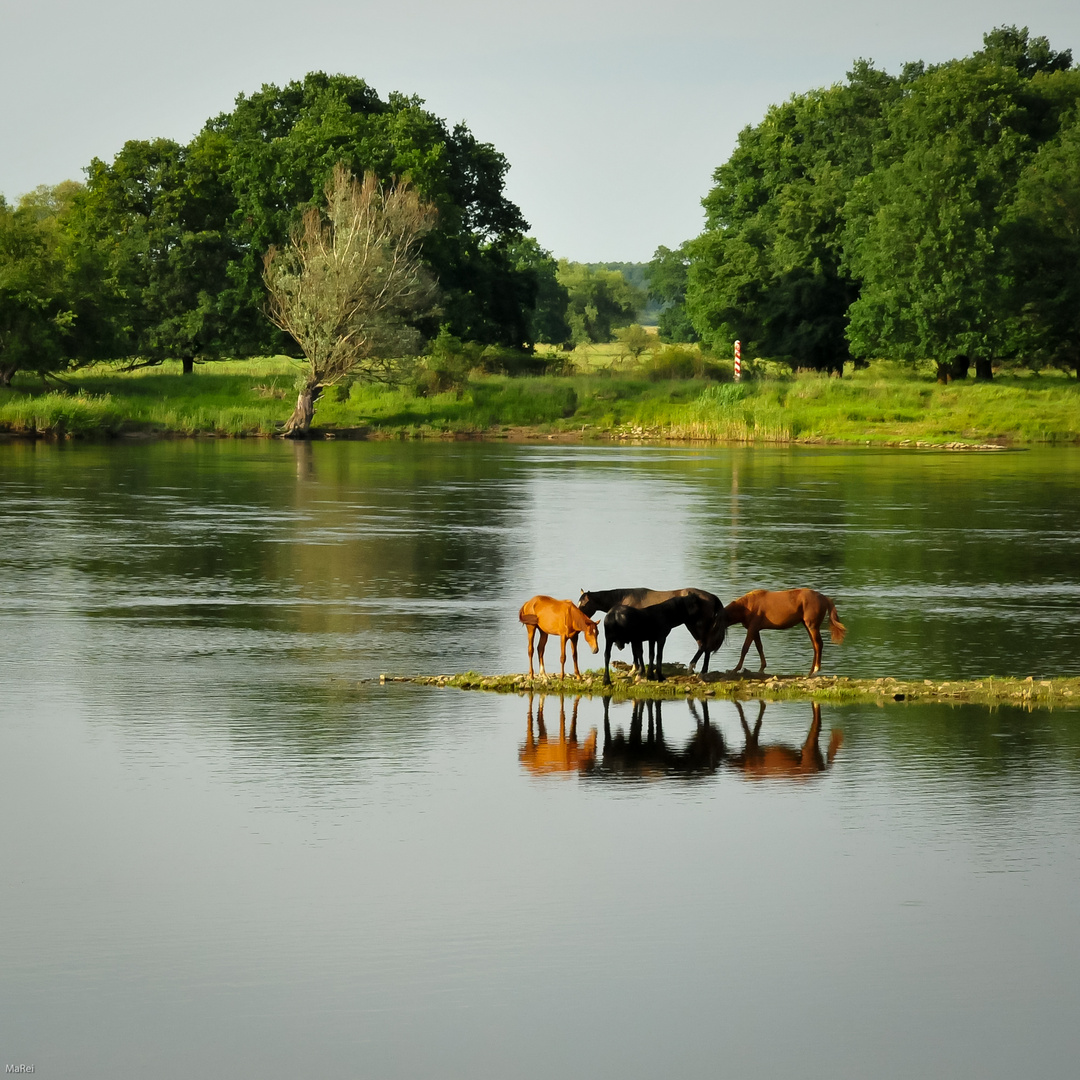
point(226, 852)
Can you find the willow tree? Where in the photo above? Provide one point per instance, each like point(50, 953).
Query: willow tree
point(349, 283)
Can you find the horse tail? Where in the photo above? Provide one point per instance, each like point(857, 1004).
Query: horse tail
point(836, 740)
point(527, 617)
point(717, 632)
point(837, 630)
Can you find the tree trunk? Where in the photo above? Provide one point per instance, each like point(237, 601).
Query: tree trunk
point(189, 364)
point(960, 367)
point(299, 424)
point(944, 372)
point(7, 371)
point(984, 369)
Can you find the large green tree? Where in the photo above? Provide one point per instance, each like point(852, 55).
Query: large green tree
point(54, 302)
point(34, 314)
point(283, 144)
point(924, 227)
point(767, 269)
point(1041, 244)
point(159, 217)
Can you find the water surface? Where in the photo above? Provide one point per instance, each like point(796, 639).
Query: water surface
point(223, 854)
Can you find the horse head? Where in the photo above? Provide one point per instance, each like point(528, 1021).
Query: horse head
point(590, 631)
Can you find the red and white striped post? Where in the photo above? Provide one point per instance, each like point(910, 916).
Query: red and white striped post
point(738, 360)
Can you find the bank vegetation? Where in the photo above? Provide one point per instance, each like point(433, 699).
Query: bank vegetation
point(598, 398)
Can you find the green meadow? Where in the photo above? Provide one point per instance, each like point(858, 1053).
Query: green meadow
point(604, 398)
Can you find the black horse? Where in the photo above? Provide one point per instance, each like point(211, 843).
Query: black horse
point(647, 754)
point(707, 623)
point(633, 626)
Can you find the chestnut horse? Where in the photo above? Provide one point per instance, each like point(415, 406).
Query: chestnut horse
point(777, 761)
point(541, 755)
point(561, 617)
point(760, 610)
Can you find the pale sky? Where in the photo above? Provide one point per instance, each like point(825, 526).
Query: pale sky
point(612, 115)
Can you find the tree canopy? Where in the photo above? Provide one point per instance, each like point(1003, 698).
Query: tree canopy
point(899, 216)
point(283, 144)
point(181, 230)
point(53, 301)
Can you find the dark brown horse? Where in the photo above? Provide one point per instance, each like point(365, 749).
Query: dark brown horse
point(760, 610)
point(707, 625)
point(563, 618)
point(777, 761)
point(648, 756)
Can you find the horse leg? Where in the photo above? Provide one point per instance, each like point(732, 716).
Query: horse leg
point(810, 757)
point(658, 669)
point(751, 634)
point(607, 670)
point(541, 645)
point(815, 639)
point(639, 660)
point(760, 650)
point(531, 630)
point(573, 651)
point(562, 657)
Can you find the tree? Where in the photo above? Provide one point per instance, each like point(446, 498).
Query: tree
point(767, 269)
point(159, 216)
point(599, 301)
point(283, 145)
point(667, 286)
point(635, 340)
point(36, 313)
point(348, 283)
point(547, 317)
point(1041, 241)
point(924, 229)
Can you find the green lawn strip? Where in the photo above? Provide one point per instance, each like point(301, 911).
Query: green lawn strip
point(990, 690)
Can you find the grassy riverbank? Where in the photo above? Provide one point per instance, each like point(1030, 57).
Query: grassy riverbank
point(828, 688)
point(883, 404)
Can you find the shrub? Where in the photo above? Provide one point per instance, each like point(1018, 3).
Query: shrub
point(679, 362)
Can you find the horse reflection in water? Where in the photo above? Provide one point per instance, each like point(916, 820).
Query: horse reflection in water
point(645, 754)
point(541, 755)
point(779, 761)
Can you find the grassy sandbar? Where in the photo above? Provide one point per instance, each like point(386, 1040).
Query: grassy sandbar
point(990, 690)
